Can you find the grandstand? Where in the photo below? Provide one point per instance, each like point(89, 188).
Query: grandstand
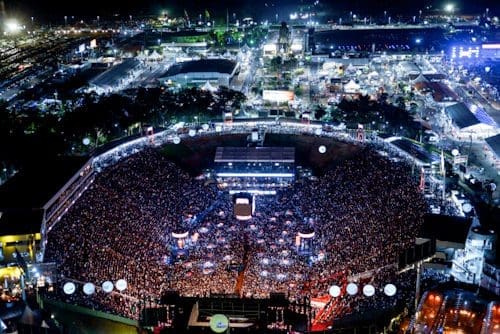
point(143, 209)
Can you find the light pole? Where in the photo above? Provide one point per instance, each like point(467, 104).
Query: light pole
point(65, 20)
point(449, 8)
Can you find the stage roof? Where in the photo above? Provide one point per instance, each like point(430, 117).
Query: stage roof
point(255, 154)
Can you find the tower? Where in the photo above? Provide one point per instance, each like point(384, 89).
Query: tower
point(422, 180)
point(360, 133)
point(283, 38)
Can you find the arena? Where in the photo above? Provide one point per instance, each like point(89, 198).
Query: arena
point(363, 209)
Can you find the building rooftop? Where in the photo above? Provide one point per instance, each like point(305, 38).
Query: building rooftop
point(440, 91)
point(409, 67)
point(461, 115)
point(494, 143)
point(203, 65)
point(113, 76)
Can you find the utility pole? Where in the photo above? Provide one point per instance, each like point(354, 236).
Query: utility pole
point(417, 283)
point(443, 173)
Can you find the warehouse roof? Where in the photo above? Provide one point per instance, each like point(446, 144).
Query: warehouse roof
point(461, 115)
point(203, 65)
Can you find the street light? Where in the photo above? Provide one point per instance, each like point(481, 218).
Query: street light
point(449, 7)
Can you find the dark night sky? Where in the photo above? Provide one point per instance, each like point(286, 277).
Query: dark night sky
point(56, 9)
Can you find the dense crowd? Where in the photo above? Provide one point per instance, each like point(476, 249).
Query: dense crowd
point(363, 211)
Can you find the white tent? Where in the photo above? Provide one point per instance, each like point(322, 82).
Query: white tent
point(350, 68)
point(373, 74)
point(155, 56)
point(208, 87)
point(419, 79)
point(351, 87)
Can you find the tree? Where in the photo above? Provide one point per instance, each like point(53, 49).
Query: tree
point(319, 112)
point(298, 91)
point(276, 63)
point(400, 102)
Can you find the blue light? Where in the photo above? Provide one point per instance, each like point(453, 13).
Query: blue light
point(418, 40)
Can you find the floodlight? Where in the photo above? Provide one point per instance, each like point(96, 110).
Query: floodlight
point(12, 26)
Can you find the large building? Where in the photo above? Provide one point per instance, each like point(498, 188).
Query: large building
point(115, 77)
point(464, 123)
point(198, 72)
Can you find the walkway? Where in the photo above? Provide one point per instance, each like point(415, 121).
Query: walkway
point(241, 274)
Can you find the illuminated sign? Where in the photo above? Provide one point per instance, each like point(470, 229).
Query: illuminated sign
point(460, 159)
point(465, 52)
point(491, 46)
point(306, 235)
point(219, 323)
point(270, 48)
point(278, 95)
point(93, 43)
point(180, 235)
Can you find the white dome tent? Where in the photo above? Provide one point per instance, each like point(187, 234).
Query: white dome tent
point(208, 87)
point(351, 87)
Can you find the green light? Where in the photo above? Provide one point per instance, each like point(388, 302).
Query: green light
point(219, 323)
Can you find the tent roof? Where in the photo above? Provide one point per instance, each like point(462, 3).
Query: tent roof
point(461, 115)
point(351, 85)
point(208, 87)
point(420, 78)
